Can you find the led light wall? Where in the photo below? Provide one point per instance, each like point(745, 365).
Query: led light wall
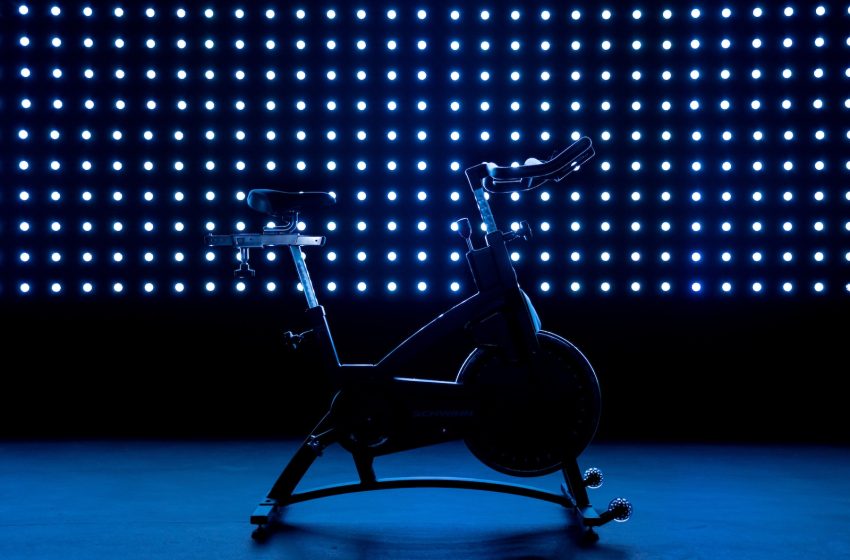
point(130, 130)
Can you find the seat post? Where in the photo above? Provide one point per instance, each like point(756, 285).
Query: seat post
point(316, 313)
point(304, 276)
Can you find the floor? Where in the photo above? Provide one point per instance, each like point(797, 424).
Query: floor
point(179, 499)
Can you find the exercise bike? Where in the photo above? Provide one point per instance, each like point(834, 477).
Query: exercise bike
point(525, 401)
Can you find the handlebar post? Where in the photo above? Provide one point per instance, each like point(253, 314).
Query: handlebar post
point(477, 176)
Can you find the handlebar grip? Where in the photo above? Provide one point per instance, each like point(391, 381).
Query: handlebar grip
point(577, 152)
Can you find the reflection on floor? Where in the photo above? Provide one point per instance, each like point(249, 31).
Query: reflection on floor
point(129, 500)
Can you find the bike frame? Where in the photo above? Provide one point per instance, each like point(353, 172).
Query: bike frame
point(499, 316)
point(393, 405)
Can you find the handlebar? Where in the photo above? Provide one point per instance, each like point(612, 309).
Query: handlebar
point(535, 172)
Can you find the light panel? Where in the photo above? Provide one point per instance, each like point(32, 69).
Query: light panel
point(721, 135)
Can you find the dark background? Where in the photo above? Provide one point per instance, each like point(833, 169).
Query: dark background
point(684, 371)
point(681, 366)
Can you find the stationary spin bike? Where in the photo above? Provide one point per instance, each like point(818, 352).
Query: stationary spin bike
point(525, 401)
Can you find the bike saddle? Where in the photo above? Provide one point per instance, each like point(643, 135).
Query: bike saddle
point(280, 203)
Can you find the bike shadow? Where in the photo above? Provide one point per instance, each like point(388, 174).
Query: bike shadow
point(428, 542)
